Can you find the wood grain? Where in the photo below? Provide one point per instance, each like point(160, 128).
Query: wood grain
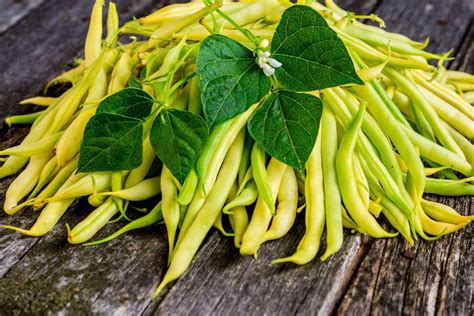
point(11, 11)
point(46, 275)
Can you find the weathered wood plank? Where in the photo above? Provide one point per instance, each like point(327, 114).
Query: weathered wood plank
point(55, 276)
point(358, 6)
point(444, 21)
point(222, 282)
point(12, 248)
point(437, 279)
point(11, 11)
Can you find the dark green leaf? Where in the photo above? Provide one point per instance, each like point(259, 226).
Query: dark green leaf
point(111, 143)
point(229, 78)
point(129, 102)
point(312, 54)
point(177, 138)
point(286, 125)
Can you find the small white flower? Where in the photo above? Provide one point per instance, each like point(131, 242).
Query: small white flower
point(268, 70)
point(274, 63)
point(264, 44)
point(266, 63)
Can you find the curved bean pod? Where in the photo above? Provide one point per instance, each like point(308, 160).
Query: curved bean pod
point(332, 196)
point(89, 226)
point(287, 204)
point(261, 217)
point(197, 231)
point(314, 213)
point(444, 213)
point(149, 219)
point(25, 182)
point(34, 148)
point(93, 44)
point(348, 184)
point(189, 187)
point(169, 207)
point(245, 198)
point(257, 158)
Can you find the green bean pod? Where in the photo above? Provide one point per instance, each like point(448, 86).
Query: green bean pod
point(194, 236)
point(48, 218)
point(22, 119)
point(449, 187)
point(245, 198)
point(439, 154)
point(90, 184)
point(170, 207)
point(332, 196)
point(314, 213)
point(25, 182)
point(93, 44)
point(420, 102)
point(194, 102)
point(261, 217)
point(287, 204)
point(449, 114)
point(89, 226)
point(138, 174)
point(39, 101)
point(239, 220)
point(112, 25)
point(348, 184)
point(444, 213)
point(189, 188)
point(34, 148)
point(238, 217)
point(438, 229)
point(210, 147)
point(70, 142)
point(121, 73)
point(442, 92)
point(257, 158)
point(56, 183)
point(49, 172)
point(218, 224)
point(237, 123)
point(149, 219)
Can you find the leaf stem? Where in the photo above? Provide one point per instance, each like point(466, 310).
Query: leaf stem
point(246, 32)
point(181, 82)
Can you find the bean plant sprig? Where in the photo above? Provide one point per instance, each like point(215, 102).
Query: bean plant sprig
point(241, 116)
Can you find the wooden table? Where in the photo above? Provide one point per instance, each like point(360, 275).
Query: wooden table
point(40, 38)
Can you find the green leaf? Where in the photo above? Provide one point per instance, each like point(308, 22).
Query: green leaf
point(312, 54)
point(111, 143)
point(177, 138)
point(129, 102)
point(286, 125)
point(229, 78)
